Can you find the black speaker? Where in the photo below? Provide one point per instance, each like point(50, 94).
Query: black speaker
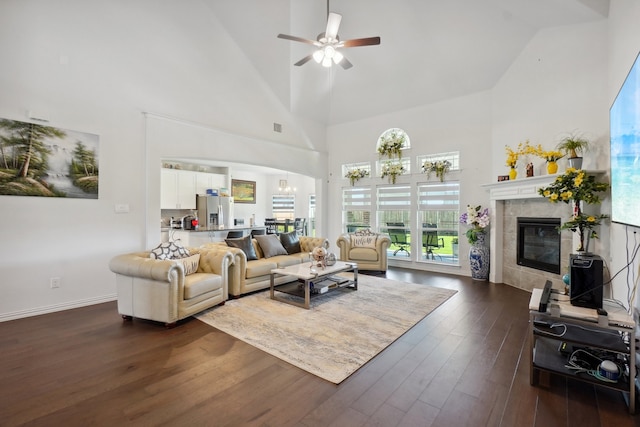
point(586, 280)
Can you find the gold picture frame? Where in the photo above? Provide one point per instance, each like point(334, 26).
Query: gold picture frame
point(243, 191)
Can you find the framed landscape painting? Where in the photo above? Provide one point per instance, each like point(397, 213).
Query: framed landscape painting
point(243, 191)
point(44, 161)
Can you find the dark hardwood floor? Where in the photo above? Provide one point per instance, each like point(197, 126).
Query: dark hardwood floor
point(466, 364)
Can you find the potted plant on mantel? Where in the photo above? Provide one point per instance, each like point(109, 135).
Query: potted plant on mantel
point(573, 145)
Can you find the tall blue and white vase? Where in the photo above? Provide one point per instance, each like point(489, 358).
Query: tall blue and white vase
point(479, 258)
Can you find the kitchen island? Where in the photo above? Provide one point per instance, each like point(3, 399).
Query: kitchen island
point(195, 238)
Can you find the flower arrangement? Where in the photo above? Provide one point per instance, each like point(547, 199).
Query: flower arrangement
point(392, 170)
point(391, 144)
point(319, 256)
point(478, 219)
point(440, 167)
point(525, 149)
point(512, 156)
point(354, 175)
point(576, 186)
point(551, 155)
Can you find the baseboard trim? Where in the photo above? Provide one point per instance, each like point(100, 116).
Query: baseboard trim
point(56, 307)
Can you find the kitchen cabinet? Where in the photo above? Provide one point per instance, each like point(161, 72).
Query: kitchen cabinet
point(204, 181)
point(178, 189)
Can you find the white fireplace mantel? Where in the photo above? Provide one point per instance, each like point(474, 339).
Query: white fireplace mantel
point(525, 188)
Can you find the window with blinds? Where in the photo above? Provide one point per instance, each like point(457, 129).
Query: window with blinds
point(283, 205)
point(394, 218)
point(356, 208)
point(438, 220)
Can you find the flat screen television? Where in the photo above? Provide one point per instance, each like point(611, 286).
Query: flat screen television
point(624, 122)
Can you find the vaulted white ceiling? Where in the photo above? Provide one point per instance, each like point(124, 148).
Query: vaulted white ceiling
point(430, 50)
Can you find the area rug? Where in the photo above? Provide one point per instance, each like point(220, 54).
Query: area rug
point(341, 332)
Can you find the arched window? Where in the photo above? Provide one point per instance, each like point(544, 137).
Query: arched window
point(391, 142)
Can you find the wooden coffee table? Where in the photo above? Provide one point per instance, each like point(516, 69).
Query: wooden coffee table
point(309, 276)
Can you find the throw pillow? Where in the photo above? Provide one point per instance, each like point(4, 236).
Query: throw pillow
point(291, 242)
point(169, 250)
point(243, 243)
point(364, 239)
point(270, 245)
point(190, 264)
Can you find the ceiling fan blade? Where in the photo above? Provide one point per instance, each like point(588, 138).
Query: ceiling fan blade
point(333, 23)
point(367, 41)
point(304, 60)
point(298, 39)
point(344, 63)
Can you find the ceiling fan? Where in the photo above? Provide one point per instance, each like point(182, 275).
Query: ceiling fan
point(328, 44)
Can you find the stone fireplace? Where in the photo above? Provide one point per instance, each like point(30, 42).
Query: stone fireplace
point(520, 198)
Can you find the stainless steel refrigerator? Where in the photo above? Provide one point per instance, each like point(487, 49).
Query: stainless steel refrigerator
point(215, 212)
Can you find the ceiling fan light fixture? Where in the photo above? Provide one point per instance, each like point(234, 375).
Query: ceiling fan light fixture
point(327, 42)
point(329, 51)
point(318, 55)
point(337, 57)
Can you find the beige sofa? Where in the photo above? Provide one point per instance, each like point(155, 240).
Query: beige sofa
point(159, 290)
point(249, 276)
point(371, 256)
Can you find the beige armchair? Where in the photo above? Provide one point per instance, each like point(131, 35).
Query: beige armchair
point(369, 253)
point(159, 290)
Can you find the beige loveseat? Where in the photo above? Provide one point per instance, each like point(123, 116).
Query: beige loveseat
point(369, 251)
point(160, 290)
point(248, 276)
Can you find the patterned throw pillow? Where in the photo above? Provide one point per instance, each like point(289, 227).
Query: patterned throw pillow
point(291, 242)
point(364, 239)
point(169, 250)
point(270, 245)
point(245, 244)
point(190, 264)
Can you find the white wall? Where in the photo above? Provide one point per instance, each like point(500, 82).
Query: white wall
point(556, 86)
point(97, 66)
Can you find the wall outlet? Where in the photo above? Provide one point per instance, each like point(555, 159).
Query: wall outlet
point(54, 282)
point(121, 208)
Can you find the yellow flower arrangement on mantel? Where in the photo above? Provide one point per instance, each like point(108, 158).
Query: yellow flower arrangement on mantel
point(525, 148)
point(551, 157)
point(512, 159)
